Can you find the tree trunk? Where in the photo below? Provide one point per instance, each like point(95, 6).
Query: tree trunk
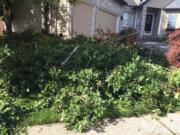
point(8, 18)
point(46, 18)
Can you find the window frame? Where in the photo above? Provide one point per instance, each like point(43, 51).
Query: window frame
point(128, 22)
point(172, 20)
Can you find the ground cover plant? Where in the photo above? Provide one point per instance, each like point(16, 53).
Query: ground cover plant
point(100, 80)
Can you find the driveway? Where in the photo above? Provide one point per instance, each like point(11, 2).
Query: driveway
point(159, 46)
point(146, 125)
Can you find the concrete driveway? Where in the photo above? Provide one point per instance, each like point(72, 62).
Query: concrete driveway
point(146, 125)
point(159, 46)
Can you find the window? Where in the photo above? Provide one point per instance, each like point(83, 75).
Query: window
point(128, 19)
point(172, 21)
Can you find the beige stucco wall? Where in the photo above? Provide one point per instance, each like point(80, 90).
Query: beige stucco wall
point(106, 21)
point(86, 19)
point(82, 19)
point(62, 19)
point(29, 15)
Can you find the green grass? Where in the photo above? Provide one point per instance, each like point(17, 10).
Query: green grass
point(45, 116)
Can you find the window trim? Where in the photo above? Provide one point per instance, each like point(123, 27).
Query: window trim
point(128, 20)
point(153, 15)
point(170, 21)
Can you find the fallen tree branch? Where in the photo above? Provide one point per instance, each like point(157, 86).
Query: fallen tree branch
point(69, 56)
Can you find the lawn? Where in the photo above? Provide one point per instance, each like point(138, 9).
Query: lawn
point(46, 80)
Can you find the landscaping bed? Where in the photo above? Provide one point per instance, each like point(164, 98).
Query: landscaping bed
point(79, 82)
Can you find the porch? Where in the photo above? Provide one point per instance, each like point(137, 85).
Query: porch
point(151, 24)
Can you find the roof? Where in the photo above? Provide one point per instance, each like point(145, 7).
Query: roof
point(165, 4)
point(174, 5)
point(131, 2)
point(159, 3)
point(123, 2)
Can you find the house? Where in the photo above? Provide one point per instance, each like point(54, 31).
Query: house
point(84, 18)
point(151, 18)
point(155, 17)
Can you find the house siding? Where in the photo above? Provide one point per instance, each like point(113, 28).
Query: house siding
point(28, 15)
point(82, 21)
point(106, 21)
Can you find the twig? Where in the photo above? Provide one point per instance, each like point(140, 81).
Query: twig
point(152, 49)
point(69, 56)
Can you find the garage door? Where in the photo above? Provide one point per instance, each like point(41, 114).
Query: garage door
point(1, 27)
point(82, 19)
point(106, 21)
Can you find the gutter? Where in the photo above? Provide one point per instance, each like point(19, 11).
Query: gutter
point(142, 3)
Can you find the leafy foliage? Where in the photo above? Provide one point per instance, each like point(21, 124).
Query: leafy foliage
point(174, 77)
point(9, 115)
point(173, 53)
point(100, 80)
point(80, 103)
point(140, 81)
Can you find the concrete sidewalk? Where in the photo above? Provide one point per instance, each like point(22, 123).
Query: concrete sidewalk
point(145, 125)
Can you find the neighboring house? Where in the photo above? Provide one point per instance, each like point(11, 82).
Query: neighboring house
point(155, 17)
point(84, 18)
point(151, 18)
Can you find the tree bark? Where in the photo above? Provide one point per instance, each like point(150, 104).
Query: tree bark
point(46, 18)
point(8, 18)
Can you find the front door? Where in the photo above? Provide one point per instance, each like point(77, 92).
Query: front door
point(149, 24)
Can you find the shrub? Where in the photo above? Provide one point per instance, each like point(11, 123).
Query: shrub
point(173, 53)
point(99, 80)
point(140, 81)
point(155, 57)
point(174, 77)
point(80, 102)
point(27, 65)
point(128, 36)
point(9, 115)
